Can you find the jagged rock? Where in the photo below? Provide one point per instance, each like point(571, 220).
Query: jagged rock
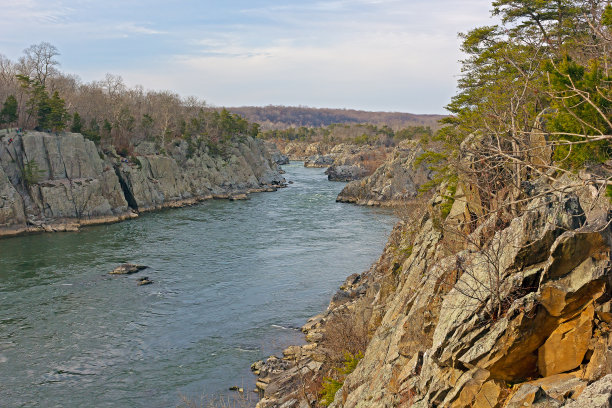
point(346, 172)
point(596, 395)
point(277, 157)
point(319, 161)
point(540, 151)
point(564, 350)
point(66, 180)
point(127, 269)
point(601, 359)
point(529, 395)
point(454, 327)
point(489, 395)
point(12, 215)
point(395, 181)
point(561, 386)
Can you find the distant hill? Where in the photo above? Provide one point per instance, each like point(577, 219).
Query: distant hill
point(282, 117)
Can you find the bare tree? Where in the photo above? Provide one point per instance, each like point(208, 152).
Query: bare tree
point(39, 61)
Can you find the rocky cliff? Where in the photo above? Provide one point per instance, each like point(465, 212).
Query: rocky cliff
point(510, 313)
point(55, 182)
point(394, 182)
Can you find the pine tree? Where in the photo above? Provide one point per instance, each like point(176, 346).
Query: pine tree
point(77, 124)
point(8, 114)
point(58, 115)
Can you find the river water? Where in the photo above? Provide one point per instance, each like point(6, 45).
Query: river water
point(232, 282)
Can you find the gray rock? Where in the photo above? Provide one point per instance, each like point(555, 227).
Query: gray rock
point(127, 269)
point(596, 395)
point(395, 181)
point(345, 172)
point(71, 184)
point(319, 161)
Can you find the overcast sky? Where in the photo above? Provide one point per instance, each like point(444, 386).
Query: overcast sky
point(392, 55)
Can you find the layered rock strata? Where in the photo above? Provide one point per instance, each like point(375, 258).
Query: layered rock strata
point(59, 182)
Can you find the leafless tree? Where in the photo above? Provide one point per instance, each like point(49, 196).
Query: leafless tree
point(39, 61)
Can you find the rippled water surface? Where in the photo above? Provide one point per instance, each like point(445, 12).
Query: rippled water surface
point(232, 282)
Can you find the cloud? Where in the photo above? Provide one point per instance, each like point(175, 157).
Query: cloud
point(375, 71)
point(134, 28)
point(33, 12)
point(396, 54)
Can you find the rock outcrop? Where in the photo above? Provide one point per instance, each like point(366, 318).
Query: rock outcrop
point(59, 182)
point(355, 162)
point(394, 182)
point(344, 161)
point(276, 155)
point(512, 314)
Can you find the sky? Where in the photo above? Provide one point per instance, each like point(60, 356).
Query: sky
point(380, 55)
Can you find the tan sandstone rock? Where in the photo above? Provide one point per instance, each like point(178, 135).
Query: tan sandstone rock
point(564, 350)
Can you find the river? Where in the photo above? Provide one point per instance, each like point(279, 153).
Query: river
point(232, 283)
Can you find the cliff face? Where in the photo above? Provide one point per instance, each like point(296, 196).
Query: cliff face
point(522, 319)
point(52, 182)
point(510, 314)
point(394, 182)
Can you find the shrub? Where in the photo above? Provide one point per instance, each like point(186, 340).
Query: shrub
point(449, 200)
point(136, 161)
point(331, 385)
point(31, 173)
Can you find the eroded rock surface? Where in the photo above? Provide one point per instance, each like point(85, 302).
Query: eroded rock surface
point(59, 182)
point(394, 182)
point(521, 318)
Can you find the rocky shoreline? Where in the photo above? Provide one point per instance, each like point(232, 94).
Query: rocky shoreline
point(62, 182)
point(418, 336)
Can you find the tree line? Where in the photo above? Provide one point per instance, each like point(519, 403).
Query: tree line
point(35, 94)
point(360, 134)
point(274, 117)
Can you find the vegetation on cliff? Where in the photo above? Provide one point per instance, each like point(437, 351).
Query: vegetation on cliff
point(494, 291)
point(535, 98)
point(36, 95)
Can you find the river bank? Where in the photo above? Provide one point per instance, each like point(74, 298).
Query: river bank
point(232, 283)
point(61, 182)
point(464, 309)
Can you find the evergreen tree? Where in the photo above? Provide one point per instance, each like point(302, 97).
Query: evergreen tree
point(77, 124)
point(40, 102)
point(8, 114)
point(93, 131)
point(541, 74)
point(58, 115)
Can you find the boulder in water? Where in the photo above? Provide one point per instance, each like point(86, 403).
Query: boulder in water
point(144, 281)
point(127, 269)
